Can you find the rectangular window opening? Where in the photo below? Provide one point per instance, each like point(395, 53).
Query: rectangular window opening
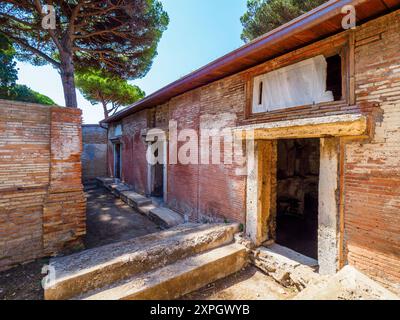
point(334, 76)
point(311, 81)
point(260, 94)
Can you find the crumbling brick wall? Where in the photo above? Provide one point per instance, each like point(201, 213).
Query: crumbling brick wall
point(42, 204)
point(94, 155)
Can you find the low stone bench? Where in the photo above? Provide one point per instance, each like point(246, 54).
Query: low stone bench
point(133, 199)
point(118, 188)
point(165, 217)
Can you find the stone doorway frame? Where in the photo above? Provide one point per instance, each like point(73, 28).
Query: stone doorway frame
point(149, 136)
point(261, 189)
point(115, 142)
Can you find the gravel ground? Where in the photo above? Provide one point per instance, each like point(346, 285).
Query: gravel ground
point(22, 282)
point(110, 220)
point(247, 284)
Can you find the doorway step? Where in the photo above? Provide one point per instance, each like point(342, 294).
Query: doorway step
point(162, 216)
point(287, 267)
point(163, 265)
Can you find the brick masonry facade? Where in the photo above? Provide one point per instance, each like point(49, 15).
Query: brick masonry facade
point(372, 168)
point(42, 204)
point(370, 178)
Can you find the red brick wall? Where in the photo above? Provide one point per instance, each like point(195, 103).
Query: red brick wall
point(183, 179)
point(372, 169)
point(222, 192)
point(134, 163)
point(42, 205)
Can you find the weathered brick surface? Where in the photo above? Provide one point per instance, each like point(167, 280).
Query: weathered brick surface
point(183, 179)
point(94, 154)
point(134, 163)
point(372, 169)
point(221, 191)
point(42, 205)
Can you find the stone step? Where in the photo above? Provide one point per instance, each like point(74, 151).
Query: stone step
point(98, 267)
point(287, 267)
point(102, 181)
point(177, 279)
point(287, 256)
point(135, 200)
point(146, 209)
point(117, 188)
point(165, 217)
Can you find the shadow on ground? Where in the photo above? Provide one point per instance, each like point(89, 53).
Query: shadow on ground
point(248, 284)
point(109, 220)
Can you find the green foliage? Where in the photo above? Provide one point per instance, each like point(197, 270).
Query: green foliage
point(263, 16)
point(120, 37)
point(8, 70)
point(9, 90)
point(99, 87)
point(23, 93)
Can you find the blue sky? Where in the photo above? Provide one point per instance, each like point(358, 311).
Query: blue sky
point(199, 32)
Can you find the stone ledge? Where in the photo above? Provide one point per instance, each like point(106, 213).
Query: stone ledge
point(165, 217)
point(178, 279)
point(94, 268)
point(134, 199)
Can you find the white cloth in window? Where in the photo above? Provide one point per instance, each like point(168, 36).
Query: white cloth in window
point(302, 83)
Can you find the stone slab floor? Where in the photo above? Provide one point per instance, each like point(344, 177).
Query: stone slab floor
point(109, 220)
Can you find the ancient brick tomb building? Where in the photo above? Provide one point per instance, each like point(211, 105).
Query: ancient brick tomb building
point(322, 169)
point(42, 204)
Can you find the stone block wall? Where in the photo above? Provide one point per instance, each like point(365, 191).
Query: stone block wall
point(42, 204)
point(94, 155)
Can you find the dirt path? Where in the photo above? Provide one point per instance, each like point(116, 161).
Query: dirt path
point(248, 284)
point(22, 282)
point(108, 220)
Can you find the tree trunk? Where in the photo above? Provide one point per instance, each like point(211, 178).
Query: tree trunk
point(105, 109)
point(68, 80)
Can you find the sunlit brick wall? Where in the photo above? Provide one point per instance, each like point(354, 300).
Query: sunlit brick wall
point(42, 205)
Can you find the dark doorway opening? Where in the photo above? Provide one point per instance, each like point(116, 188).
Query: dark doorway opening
point(297, 195)
point(117, 160)
point(157, 178)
